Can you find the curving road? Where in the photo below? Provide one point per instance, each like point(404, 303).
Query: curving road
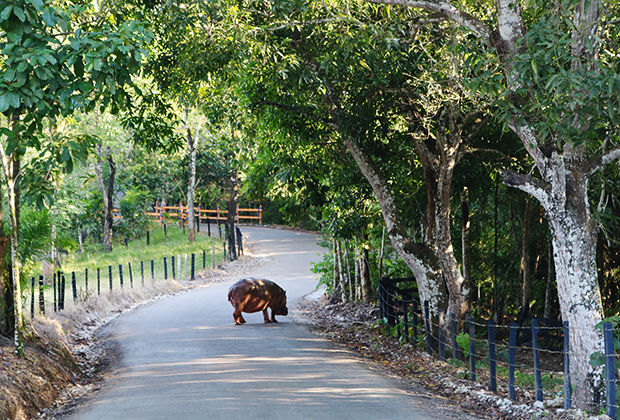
point(183, 358)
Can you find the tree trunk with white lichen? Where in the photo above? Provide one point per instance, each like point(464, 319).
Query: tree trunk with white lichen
point(564, 166)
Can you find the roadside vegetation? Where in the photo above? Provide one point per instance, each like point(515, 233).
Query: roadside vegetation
point(472, 145)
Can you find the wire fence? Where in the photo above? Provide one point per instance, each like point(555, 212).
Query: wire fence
point(516, 358)
point(66, 288)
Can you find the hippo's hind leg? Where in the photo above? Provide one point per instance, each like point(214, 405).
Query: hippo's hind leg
point(266, 316)
point(239, 320)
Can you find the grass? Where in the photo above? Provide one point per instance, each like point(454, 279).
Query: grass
point(98, 263)
point(159, 246)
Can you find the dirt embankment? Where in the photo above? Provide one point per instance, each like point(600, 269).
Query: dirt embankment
point(30, 384)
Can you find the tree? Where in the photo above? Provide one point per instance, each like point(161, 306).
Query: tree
point(56, 59)
point(561, 96)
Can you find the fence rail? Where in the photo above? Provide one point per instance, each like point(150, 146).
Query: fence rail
point(397, 306)
point(204, 215)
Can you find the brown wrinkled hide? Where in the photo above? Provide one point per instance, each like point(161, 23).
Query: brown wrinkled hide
point(253, 295)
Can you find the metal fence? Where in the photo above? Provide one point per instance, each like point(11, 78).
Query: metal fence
point(403, 312)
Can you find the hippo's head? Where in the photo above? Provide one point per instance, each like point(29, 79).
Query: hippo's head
point(282, 309)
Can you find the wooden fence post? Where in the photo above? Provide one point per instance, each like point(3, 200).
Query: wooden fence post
point(535, 351)
point(442, 342)
point(198, 223)
point(406, 300)
point(54, 287)
point(62, 293)
point(142, 271)
point(41, 296)
point(74, 286)
point(165, 269)
point(455, 346)
point(472, 349)
point(110, 276)
point(415, 320)
point(512, 347)
point(98, 282)
point(120, 274)
point(427, 327)
point(130, 276)
point(31, 298)
point(567, 386)
point(174, 276)
point(193, 277)
point(610, 370)
point(86, 279)
point(152, 271)
point(492, 356)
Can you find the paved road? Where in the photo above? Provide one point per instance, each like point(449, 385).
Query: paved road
point(185, 359)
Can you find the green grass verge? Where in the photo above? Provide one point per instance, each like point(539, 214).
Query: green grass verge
point(160, 246)
point(138, 254)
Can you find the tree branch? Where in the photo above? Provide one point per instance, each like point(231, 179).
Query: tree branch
point(529, 184)
point(604, 160)
point(446, 9)
point(483, 150)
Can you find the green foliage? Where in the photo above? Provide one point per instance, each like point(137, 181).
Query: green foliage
point(134, 222)
point(462, 339)
point(36, 239)
point(325, 268)
point(90, 66)
point(569, 100)
point(598, 358)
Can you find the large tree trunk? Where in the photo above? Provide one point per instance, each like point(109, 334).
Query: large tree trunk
point(439, 161)
point(549, 287)
point(466, 243)
point(525, 263)
point(7, 322)
point(421, 259)
point(231, 207)
point(192, 145)
point(191, 187)
point(574, 235)
point(11, 168)
point(107, 194)
point(563, 188)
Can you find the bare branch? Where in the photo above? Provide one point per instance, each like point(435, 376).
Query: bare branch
point(446, 9)
point(604, 160)
point(529, 184)
point(483, 150)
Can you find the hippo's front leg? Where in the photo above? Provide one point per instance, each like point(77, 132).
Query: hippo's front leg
point(273, 315)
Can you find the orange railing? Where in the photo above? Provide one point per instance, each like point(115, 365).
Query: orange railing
point(205, 215)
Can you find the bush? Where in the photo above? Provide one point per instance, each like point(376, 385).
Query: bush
point(134, 221)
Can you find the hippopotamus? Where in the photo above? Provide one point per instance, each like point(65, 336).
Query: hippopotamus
point(253, 295)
